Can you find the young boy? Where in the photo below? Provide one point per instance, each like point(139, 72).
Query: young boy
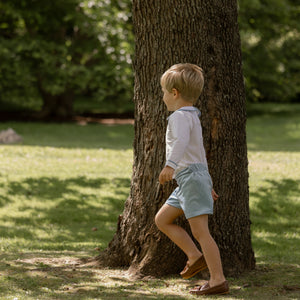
point(182, 85)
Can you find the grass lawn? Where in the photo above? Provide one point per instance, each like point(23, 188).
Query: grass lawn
point(62, 189)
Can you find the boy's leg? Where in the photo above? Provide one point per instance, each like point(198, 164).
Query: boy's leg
point(200, 230)
point(164, 221)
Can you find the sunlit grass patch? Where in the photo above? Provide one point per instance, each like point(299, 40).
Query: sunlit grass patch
point(51, 196)
point(61, 192)
point(275, 206)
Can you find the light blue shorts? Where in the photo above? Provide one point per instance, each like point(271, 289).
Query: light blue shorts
point(193, 194)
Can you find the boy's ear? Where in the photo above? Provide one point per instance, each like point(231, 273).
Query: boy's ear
point(175, 92)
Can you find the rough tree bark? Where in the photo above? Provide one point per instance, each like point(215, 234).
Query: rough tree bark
point(205, 33)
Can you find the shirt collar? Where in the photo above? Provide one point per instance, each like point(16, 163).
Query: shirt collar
point(188, 108)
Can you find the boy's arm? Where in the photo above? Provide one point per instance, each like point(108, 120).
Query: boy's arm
point(166, 174)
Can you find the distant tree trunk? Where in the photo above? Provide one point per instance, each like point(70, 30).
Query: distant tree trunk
point(56, 106)
point(205, 33)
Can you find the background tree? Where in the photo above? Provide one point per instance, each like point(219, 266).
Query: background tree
point(205, 33)
point(59, 56)
point(270, 32)
point(62, 50)
point(76, 54)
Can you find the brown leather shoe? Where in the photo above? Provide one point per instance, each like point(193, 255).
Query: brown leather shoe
point(205, 289)
point(196, 267)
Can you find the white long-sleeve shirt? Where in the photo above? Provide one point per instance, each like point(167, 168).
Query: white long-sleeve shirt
point(184, 141)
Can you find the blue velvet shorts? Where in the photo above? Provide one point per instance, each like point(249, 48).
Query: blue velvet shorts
point(193, 194)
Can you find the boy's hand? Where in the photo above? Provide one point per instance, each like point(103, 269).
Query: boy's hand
point(166, 174)
point(214, 195)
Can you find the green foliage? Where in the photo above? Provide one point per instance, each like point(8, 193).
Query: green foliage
point(56, 47)
point(84, 48)
point(270, 33)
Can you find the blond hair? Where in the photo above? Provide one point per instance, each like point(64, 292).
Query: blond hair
point(186, 78)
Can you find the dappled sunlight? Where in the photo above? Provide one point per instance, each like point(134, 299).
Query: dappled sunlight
point(60, 214)
point(68, 276)
point(278, 200)
point(275, 188)
point(51, 197)
point(60, 199)
point(272, 165)
point(39, 274)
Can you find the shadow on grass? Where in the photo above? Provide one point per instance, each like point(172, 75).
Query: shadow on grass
point(267, 282)
point(67, 212)
point(275, 217)
point(70, 279)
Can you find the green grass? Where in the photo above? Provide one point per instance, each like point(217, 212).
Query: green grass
point(274, 167)
point(62, 182)
point(66, 179)
point(274, 127)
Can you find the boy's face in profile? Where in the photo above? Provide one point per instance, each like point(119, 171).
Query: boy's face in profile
point(169, 98)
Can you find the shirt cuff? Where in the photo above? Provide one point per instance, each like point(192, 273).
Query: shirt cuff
point(171, 164)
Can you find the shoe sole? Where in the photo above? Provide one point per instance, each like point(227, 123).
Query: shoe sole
point(222, 293)
point(194, 273)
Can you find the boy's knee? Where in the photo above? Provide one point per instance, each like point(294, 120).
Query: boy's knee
point(199, 234)
point(199, 227)
point(159, 221)
point(196, 235)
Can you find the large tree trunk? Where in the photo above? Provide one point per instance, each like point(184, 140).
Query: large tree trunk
point(204, 33)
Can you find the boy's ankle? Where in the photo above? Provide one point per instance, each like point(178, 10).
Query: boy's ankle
point(193, 259)
point(216, 281)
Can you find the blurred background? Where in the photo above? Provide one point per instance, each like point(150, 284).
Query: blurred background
point(60, 58)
